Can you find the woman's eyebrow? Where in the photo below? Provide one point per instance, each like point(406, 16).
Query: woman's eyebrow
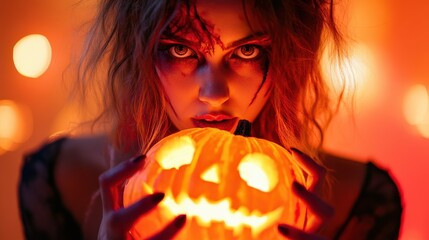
point(257, 37)
point(180, 39)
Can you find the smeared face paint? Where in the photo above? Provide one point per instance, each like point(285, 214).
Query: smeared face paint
point(213, 67)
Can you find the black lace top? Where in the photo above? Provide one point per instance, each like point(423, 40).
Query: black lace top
point(376, 213)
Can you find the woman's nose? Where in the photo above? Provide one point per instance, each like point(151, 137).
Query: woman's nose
point(214, 87)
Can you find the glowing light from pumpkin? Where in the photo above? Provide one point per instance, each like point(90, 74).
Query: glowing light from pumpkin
point(176, 153)
point(16, 125)
point(259, 171)
point(220, 202)
point(32, 55)
point(205, 212)
point(211, 174)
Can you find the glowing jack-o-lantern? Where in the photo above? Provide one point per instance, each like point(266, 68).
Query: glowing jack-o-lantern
point(229, 186)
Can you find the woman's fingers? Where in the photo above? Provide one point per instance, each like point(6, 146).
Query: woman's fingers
point(171, 229)
point(316, 205)
point(296, 234)
point(316, 173)
point(322, 212)
point(111, 179)
point(124, 218)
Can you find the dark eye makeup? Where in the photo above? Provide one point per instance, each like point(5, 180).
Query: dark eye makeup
point(179, 52)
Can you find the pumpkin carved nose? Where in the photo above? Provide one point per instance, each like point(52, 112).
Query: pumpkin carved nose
point(211, 174)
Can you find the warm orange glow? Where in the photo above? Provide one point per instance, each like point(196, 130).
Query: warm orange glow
point(211, 174)
point(424, 129)
point(176, 153)
point(15, 125)
point(423, 126)
point(32, 55)
point(206, 212)
point(259, 171)
point(354, 72)
point(416, 108)
point(227, 185)
point(416, 104)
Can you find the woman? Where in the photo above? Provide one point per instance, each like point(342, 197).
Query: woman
point(173, 65)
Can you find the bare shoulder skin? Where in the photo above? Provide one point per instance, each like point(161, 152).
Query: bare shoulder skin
point(80, 163)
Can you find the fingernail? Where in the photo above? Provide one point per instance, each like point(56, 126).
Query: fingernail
point(284, 230)
point(138, 159)
point(157, 197)
point(180, 221)
point(298, 186)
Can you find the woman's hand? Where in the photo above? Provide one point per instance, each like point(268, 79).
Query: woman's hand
point(321, 211)
point(117, 221)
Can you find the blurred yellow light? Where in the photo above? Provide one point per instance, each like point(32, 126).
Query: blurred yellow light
point(354, 73)
point(32, 55)
point(9, 120)
point(423, 130)
point(16, 125)
point(423, 126)
point(416, 103)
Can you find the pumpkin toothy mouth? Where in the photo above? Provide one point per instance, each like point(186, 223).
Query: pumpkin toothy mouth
point(205, 212)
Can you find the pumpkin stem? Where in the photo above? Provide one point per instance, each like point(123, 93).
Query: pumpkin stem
point(243, 128)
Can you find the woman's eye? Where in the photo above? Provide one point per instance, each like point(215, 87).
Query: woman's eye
point(247, 52)
point(180, 51)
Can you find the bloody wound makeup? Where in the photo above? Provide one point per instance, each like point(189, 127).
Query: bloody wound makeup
point(190, 24)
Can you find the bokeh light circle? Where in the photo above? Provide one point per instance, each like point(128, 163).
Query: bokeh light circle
point(16, 125)
point(32, 55)
point(416, 108)
point(416, 103)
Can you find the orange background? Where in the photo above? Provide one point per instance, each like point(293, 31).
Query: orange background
point(393, 40)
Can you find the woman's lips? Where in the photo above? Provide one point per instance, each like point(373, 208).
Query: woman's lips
point(220, 121)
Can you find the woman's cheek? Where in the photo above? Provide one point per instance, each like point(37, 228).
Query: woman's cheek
point(247, 70)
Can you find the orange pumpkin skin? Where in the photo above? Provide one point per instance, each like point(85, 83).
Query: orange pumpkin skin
point(216, 179)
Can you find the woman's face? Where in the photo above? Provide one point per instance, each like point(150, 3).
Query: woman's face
point(213, 67)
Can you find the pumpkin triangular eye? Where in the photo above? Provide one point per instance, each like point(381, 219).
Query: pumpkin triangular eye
point(259, 171)
point(176, 153)
point(211, 174)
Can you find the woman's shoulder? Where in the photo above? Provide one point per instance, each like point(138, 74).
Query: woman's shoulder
point(80, 162)
point(90, 152)
point(366, 196)
point(57, 182)
point(358, 174)
point(69, 167)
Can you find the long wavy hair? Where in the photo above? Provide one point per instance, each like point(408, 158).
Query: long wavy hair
point(118, 66)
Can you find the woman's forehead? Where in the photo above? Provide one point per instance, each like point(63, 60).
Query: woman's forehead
point(210, 23)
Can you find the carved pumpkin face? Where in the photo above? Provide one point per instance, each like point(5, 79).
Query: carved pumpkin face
point(228, 186)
